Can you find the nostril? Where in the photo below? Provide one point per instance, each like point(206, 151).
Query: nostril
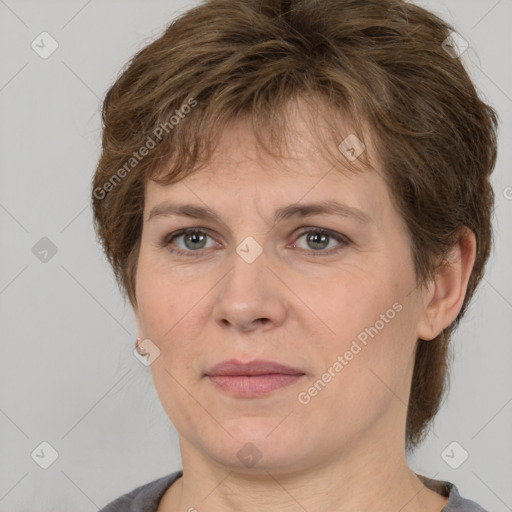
point(255, 323)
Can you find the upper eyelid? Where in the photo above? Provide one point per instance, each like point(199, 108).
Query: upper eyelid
point(208, 231)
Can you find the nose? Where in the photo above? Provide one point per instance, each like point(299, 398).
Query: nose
point(250, 296)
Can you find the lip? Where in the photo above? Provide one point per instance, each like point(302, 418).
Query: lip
point(252, 379)
point(256, 367)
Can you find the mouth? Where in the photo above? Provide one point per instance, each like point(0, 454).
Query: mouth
point(252, 379)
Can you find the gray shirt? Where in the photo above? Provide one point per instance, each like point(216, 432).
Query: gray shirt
point(147, 497)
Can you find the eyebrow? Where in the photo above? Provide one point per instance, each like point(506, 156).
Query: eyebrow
point(329, 207)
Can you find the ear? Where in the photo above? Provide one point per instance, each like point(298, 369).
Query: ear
point(446, 292)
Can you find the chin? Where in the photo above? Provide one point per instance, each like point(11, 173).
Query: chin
point(259, 448)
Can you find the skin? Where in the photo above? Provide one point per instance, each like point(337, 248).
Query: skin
point(298, 306)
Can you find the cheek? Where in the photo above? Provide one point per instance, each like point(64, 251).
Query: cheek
point(373, 335)
point(353, 304)
point(161, 301)
point(380, 373)
point(360, 381)
point(171, 314)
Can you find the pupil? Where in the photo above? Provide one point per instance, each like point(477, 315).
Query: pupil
point(317, 238)
point(193, 237)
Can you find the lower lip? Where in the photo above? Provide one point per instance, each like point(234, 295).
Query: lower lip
point(253, 385)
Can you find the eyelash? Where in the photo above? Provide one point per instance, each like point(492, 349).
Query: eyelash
point(342, 239)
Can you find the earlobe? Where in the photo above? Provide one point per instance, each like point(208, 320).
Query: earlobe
point(447, 291)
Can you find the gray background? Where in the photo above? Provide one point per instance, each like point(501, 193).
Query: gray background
point(67, 372)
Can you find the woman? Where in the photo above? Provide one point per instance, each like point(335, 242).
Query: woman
point(295, 197)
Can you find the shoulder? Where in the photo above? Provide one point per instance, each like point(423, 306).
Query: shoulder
point(144, 498)
point(456, 503)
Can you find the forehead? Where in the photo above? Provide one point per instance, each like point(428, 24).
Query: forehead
point(311, 167)
point(307, 137)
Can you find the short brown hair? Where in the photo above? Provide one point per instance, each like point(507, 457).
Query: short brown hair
point(381, 62)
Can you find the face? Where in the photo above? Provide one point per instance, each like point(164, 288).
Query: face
point(327, 294)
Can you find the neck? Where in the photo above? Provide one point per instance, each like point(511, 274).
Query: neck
point(370, 480)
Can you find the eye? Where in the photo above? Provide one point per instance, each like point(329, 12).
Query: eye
point(193, 240)
point(320, 239)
